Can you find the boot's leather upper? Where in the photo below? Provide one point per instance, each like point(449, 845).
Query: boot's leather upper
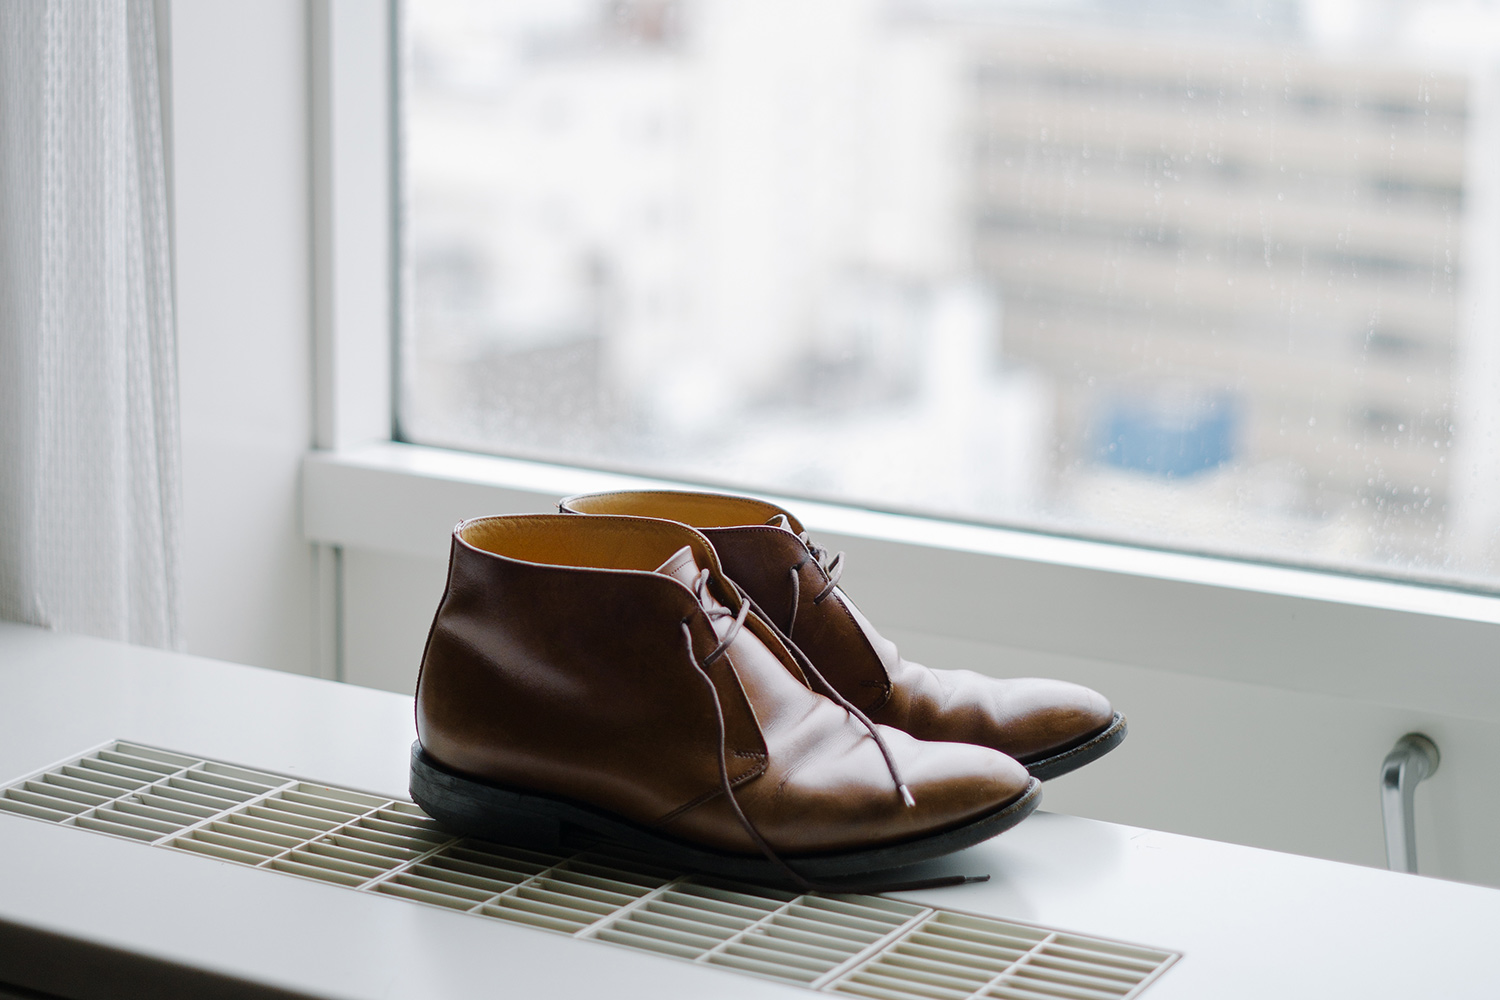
point(568, 658)
point(765, 550)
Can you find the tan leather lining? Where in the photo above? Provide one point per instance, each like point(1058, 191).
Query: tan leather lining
point(698, 510)
point(630, 543)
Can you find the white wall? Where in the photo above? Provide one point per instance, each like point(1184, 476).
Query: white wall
point(1261, 765)
point(241, 188)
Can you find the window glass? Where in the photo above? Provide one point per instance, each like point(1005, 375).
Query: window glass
point(1215, 276)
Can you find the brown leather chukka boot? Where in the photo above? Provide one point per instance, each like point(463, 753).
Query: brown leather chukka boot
point(603, 674)
point(1051, 726)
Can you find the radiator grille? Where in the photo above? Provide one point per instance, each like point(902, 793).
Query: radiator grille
point(863, 945)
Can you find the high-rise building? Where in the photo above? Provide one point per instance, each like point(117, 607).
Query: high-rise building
point(1259, 254)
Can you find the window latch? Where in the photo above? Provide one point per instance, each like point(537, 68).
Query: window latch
point(1413, 759)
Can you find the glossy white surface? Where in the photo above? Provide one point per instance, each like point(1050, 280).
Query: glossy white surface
point(1250, 923)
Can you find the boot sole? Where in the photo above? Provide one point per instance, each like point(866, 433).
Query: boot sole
point(474, 808)
point(1091, 749)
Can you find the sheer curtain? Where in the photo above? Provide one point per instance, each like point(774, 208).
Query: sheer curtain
point(89, 463)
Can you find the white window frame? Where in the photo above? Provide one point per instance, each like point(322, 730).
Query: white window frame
point(1404, 645)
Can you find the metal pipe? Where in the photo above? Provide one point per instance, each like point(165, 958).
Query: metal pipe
point(1412, 759)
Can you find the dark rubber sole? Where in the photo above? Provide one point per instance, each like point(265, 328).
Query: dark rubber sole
point(474, 808)
point(1091, 749)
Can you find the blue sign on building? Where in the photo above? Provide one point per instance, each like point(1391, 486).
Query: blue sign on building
point(1173, 438)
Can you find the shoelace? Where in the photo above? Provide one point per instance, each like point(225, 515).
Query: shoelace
point(700, 590)
point(832, 567)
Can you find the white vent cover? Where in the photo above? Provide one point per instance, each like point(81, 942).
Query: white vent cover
point(864, 945)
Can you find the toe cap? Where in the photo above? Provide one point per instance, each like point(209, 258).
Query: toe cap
point(1048, 716)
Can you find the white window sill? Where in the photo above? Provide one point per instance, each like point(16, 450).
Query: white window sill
point(1413, 647)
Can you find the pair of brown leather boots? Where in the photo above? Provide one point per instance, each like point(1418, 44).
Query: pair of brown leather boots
point(681, 673)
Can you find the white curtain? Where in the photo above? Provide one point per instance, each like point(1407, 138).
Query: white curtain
point(89, 504)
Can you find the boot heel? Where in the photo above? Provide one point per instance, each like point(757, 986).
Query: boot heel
point(521, 830)
point(473, 809)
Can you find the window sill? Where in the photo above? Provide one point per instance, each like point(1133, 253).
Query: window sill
point(1412, 647)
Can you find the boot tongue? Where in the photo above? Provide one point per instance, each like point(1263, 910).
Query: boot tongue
point(683, 568)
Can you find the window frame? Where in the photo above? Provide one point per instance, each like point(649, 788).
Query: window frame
point(1406, 645)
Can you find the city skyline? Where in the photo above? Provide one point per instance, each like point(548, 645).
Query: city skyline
point(909, 263)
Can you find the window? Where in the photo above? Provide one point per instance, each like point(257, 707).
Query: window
point(1210, 277)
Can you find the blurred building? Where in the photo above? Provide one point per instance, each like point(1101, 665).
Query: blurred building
point(1212, 288)
point(1169, 218)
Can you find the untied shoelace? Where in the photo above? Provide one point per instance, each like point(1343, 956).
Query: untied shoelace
point(700, 590)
